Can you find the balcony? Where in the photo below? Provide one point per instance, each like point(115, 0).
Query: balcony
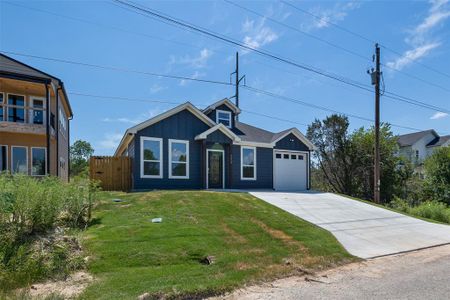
point(15, 127)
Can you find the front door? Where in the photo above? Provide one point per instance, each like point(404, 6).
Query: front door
point(215, 169)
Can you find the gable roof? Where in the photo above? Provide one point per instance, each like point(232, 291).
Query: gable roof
point(224, 101)
point(411, 138)
point(225, 130)
point(187, 105)
point(242, 133)
point(439, 141)
point(14, 69)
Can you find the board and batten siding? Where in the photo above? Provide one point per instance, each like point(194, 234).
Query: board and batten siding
point(212, 114)
point(181, 126)
point(291, 142)
point(264, 169)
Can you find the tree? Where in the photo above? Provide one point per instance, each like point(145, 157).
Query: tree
point(80, 152)
point(334, 152)
point(437, 175)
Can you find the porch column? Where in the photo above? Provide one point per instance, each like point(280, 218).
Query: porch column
point(203, 163)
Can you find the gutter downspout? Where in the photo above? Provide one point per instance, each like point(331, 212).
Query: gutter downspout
point(57, 131)
point(47, 129)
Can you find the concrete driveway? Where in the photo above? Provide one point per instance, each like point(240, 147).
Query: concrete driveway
point(364, 230)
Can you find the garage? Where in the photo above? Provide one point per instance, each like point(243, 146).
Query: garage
point(290, 171)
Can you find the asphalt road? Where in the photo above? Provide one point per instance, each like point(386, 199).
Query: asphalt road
point(423, 274)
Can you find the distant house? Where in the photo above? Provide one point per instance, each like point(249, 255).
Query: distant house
point(189, 148)
point(34, 121)
point(418, 146)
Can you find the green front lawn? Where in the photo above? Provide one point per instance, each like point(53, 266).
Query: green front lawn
point(250, 240)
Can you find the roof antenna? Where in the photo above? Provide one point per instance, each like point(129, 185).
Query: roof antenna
point(237, 82)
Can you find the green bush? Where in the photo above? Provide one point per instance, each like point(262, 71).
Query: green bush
point(35, 215)
point(433, 210)
point(437, 179)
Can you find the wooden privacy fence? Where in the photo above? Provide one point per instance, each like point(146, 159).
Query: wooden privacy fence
point(114, 173)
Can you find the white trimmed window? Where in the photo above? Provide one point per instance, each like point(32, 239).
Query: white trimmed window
point(19, 159)
point(3, 158)
point(224, 117)
point(248, 163)
point(38, 161)
point(178, 159)
point(16, 108)
point(37, 113)
point(151, 157)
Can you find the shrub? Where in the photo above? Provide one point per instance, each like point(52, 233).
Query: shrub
point(30, 211)
point(437, 171)
point(433, 210)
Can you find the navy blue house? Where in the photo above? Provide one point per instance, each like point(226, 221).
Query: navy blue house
point(188, 148)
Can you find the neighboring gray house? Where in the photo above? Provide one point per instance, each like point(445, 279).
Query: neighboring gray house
point(188, 148)
point(418, 146)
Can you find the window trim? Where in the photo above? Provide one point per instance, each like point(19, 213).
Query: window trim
point(45, 154)
point(242, 163)
point(186, 142)
point(31, 110)
point(3, 105)
point(7, 105)
point(161, 170)
point(12, 159)
point(226, 112)
point(7, 158)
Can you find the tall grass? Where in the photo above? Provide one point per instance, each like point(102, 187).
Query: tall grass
point(35, 216)
point(433, 210)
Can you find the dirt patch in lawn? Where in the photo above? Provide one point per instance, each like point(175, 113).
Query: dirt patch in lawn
point(69, 288)
point(280, 235)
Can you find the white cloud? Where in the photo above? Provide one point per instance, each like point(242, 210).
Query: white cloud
point(419, 38)
point(439, 115)
point(256, 34)
point(196, 75)
point(412, 55)
point(145, 116)
point(333, 15)
point(110, 141)
point(156, 88)
point(199, 61)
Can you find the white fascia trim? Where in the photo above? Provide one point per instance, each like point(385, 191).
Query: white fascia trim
point(191, 108)
point(171, 141)
point(220, 127)
point(225, 101)
point(254, 144)
point(161, 155)
point(195, 111)
point(242, 163)
point(230, 119)
point(124, 142)
point(299, 135)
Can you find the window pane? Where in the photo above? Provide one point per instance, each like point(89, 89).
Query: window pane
point(300, 157)
point(248, 172)
point(178, 169)
point(16, 115)
point(278, 155)
point(151, 168)
point(38, 117)
point(38, 103)
point(19, 162)
point(1, 113)
point(151, 150)
point(248, 156)
point(286, 156)
point(293, 156)
point(3, 158)
point(16, 100)
point(223, 115)
point(225, 122)
point(38, 160)
point(179, 152)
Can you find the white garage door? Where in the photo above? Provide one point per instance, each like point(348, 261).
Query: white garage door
point(290, 172)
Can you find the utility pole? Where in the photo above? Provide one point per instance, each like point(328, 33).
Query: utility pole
point(237, 82)
point(376, 76)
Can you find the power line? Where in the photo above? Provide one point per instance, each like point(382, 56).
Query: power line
point(351, 52)
point(260, 91)
point(365, 38)
point(246, 111)
point(224, 38)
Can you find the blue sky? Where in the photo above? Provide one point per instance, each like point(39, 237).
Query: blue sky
point(103, 33)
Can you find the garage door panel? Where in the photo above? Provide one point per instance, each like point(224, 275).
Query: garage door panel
point(290, 171)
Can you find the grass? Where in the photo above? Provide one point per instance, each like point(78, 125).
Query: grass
point(250, 240)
